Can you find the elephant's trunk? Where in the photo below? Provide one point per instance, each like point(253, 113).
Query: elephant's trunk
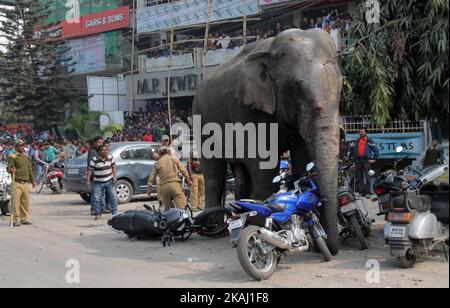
point(325, 152)
point(319, 126)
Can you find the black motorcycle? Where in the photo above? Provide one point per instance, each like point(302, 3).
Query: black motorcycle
point(351, 217)
point(175, 223)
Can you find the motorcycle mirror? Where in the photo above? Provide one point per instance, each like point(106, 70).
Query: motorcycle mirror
point(277, 179)
point(309, 167)
point(399, 149)
point(372, 172)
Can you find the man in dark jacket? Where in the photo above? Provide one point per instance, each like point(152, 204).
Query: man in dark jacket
point(364, 153)
point(434, 155)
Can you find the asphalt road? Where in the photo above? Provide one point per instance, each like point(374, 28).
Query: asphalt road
point(63, 230)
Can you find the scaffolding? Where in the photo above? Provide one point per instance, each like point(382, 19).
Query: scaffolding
point(244, 20)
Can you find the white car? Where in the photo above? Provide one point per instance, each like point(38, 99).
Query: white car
point(5, 189)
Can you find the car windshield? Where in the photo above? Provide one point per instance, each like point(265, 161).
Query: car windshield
point(113, 146)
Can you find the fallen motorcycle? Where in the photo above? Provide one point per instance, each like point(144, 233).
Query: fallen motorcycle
point(175, 223)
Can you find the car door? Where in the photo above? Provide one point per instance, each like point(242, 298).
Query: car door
point(138, 165)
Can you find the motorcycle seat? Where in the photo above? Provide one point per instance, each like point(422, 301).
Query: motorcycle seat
point(439, 202)
point(277, 208)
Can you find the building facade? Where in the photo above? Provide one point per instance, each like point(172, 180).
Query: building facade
point(97, 33)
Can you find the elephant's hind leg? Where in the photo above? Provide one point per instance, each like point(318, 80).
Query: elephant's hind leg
point(242, 178)
point(262, 182)
point(215, 172)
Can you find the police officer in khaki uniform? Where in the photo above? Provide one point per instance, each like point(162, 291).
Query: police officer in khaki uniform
point(165, 141)
point(20, 165)
point(168, 168)
point(198, 182)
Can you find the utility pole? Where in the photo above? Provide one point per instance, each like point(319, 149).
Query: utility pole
point(205, 44)
point(133, 40)
point(169, 78)
point(169, 81)
point(245, 24)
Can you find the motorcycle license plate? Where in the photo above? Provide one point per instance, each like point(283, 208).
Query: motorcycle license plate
point(234, 227)
point(397, 232)
point(348, 208)
point(54, 180)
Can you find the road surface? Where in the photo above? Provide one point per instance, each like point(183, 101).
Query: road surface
point(63, 230)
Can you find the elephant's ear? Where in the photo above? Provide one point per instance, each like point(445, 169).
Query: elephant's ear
point(256, 88)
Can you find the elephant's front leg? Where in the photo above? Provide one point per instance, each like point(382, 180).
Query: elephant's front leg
point(215, 172)
point(242, 188)
point(299, 156)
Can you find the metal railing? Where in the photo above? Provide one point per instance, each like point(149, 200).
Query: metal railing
point(158, 2)
point(352, 125)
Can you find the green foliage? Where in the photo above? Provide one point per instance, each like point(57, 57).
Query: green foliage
point(399, 68)
point(36, 84)
point(111, 129)
point(84, 125)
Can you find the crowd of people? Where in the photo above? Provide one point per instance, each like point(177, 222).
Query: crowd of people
point(336, 24)
point(152, 123)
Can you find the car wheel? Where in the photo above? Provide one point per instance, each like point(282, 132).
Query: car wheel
point(86, 197)
point(4, 207)
point(124, 191)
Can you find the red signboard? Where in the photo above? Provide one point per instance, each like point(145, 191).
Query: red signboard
point(91, 24)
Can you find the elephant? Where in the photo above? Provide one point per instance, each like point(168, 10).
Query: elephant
point(292, 80)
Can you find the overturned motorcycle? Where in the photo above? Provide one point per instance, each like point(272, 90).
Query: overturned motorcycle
point(175, 223)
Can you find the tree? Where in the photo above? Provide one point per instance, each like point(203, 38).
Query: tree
point(37, 77)
point(399, 67)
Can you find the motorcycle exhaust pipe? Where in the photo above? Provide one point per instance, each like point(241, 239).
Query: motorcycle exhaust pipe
point(275, 239)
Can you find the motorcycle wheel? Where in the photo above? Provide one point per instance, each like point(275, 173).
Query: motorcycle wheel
point(57, 189)
point(41, 187)
point(213, 222)
point(86, 197)
point(359, 234)
point(323, 248)
point(257, 265)
point(408, 260)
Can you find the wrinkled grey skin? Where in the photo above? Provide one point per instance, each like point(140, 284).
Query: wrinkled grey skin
point(294, 80)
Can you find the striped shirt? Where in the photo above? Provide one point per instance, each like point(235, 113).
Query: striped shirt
point(102, 169)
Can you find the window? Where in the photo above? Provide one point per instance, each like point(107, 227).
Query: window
point(154, 150)
point(137, 153)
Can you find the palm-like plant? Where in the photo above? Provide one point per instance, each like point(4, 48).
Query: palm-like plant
point(399, 68)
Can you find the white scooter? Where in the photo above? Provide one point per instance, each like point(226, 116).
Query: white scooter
point(418, 217)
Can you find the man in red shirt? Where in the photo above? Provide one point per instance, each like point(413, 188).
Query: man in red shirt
point(364, 154)
point(85, 148)
point(148, 137)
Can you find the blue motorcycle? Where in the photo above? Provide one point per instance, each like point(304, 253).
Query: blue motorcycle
point(287, 222)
